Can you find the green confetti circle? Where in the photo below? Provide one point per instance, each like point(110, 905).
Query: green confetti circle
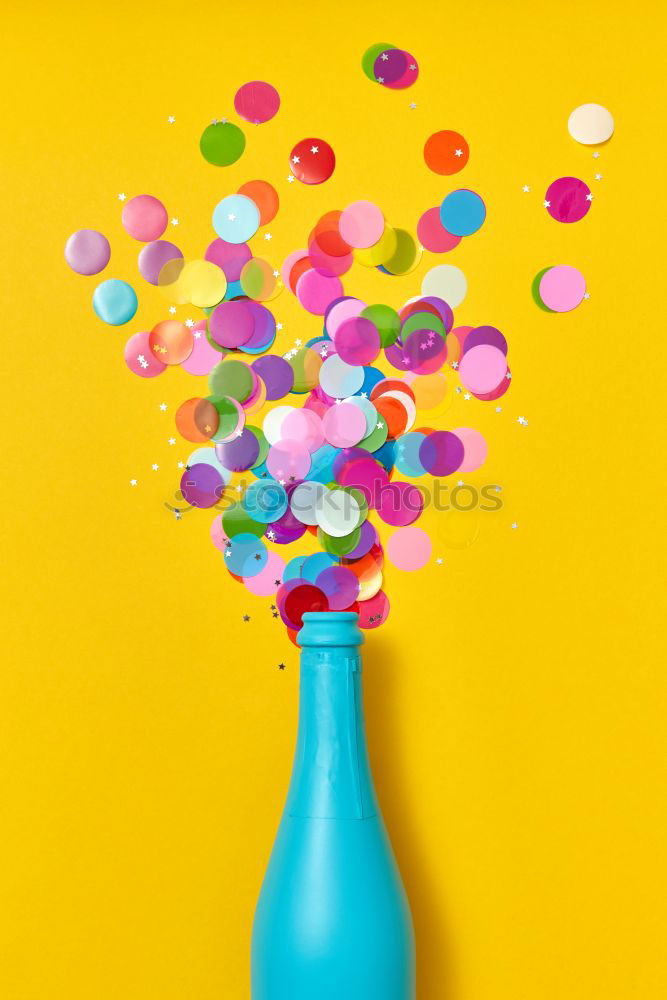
point(222, 143)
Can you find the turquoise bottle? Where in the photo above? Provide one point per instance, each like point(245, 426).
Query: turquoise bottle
point(333, 921)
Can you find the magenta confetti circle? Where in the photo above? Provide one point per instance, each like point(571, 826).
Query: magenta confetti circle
point(568, 199)
point(257, 102)
point(357, 341)
point(441, 453)
point(231, 324)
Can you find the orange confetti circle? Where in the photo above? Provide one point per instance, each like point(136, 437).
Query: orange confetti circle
point(446, 152)
point(264, 196)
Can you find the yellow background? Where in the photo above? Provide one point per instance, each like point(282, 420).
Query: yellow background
point(516, 698)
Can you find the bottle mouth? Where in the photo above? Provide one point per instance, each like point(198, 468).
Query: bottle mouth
point(330, 628)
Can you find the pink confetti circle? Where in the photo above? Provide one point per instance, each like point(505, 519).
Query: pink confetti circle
point(482, 369)
point(357, 341)
point(218, 536)
point(303, 425)
point(257, 102)
point(474, 448)
point(568, 199)
point(341, 311)
point(344, 425)
point(317, 291)
point(288, 461)
point(140, 358)
point(409, 549)
point(144, 218)
point(400, 503)
point(432, 234)
point(361, 224)
point(562, 288)
point(264, 583)
point(204, 358)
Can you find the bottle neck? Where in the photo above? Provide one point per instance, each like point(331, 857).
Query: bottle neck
point(331, 776)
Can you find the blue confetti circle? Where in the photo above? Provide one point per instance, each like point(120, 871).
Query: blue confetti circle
point(246, 555)
point(115, 302)
point(236, 218)
point(462, 212)
point(265, 501)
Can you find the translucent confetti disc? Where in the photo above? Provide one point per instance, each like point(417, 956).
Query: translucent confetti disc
point(316, 291)
point(202, 485)
point(591, 124)
point(312, 161)
point(458, 529)
point(489, 335)
point(239, 454)
point(432, 233)
point(339, 312)
point(207, 456)
point(441, 453)
point(257, 102)
point(409, 549)
point(406, 256)
point(265, 501)
point(115, 302)
point(222, 143)
point(386, 321)
point(338, 545)
point(197, 420)
point(562, 288)
point(246, 555)
point(265, 197)
point(568, 199)
point(361, 224)
point(301, 599)
point(273, 423)
point(171, 342)
point(237, 521)
point(338, 379)
point(277, 375)
point(400, 503)
point(305, 500)
point(203, 357)
point(305, 426)
point(144, 218)
point(87, 251)
point(482, 369)
point(475, 448)
point(408, 461)
point(344, 425)
point(338, 513)
point(380, 252)
point(288, 461)
point(140, 359)
point(446, 152)
point(462, 213)
point(340, 586)
point(154, 256)
point(203, 282)
point(446, 282)
point(374, 611)
point(357, 341)
point(230, 257)
point(236, 218)
point(369, 57)
point(258, 280)
point(313, 565)
point(431, 393)
point(231, 378)
point(306, 365)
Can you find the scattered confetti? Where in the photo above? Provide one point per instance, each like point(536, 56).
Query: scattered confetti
point(591, 124)
point(87, 251)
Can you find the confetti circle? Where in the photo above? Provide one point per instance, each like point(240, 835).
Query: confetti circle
point(344, 425)
point(140, 359)
point(87, 251)
point(257, 102)
point(203, 357)
point(339, 585)
point(154, 256)
point(441, 453)
point(338, 379)
point(357, 341)
point(236, 218)
point(446, 282)
point(264, 196)
point(317, 291)
point(369, 57)
point(305, 501)
point(276, 373)
point(409, 549)
point(482, 369)
point(474, 448)
point(390, 66)
point(400, 503)
point(202, 486)
point(338, 514)
point(462, 212)
point(265, 501)
point(562, 288)
point(568, 199)
point(446, 152)
point(591, 124)
point(222, 143)
point(115, 302)
point(144, 218)
point(361, 224)
point(409, 76)
point(246, 555)
point(197, 420)
point(374, 611)
point(231, 378)
point(433, 235)
point(312, 161)
point(203, 283)
point(231, 324)
point(267, 581)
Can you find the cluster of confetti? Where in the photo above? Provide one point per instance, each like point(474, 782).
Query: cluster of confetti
point(333, 460)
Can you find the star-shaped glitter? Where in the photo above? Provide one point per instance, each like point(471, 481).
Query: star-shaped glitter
point(522, 421)
point(172, 310)
point(122, 196)
point(155, 467)
point(596, 155)
point(133, 482)
point(174, 221)
point(514, 525)
point(268, 236)
point(232, 216)
point(499, 409)
point(455, 365)
point(279, 326)
point(171, 441)
point(598, 177)
point(467, 395)
point(587, 295)
point(281, 666)
point(296, 159)
point(413, 106)
point(547, 204)
point(271, 535)
point(291, 179)
point(171, 119)
point(163, 406)
point(314, 149)
point(180, 465)
point(526, 189)
point(438, 561)
point(384, 57)
point(458, 152)
point(189, 323)
point(589, 196)
point(246, 618)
